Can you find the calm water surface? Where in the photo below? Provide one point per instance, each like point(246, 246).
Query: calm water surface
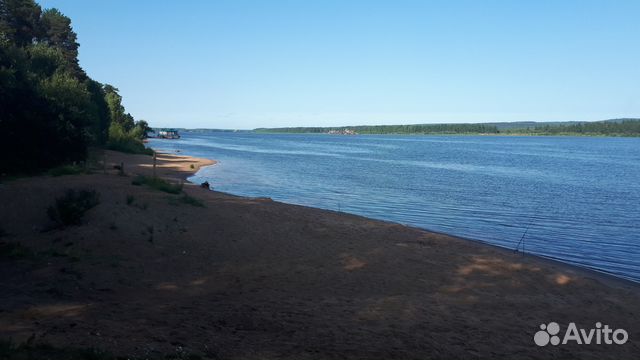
point(580, 197)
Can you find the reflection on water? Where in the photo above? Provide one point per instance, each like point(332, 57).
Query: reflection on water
point(579, 195)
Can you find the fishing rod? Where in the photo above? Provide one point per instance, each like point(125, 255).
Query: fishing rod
point(526, 230)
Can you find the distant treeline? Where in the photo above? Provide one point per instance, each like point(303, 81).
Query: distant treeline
point(51, 111)
point(624, 127)
point(395, 129)
point(618, 127)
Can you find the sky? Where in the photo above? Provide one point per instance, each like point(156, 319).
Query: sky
point(241, 64)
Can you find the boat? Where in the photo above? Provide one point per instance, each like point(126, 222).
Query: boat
point(168, 134)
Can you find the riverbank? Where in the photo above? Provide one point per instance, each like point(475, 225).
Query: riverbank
point(149, 274)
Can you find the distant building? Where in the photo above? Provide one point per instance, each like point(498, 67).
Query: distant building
point(168, 134)
point(342, 132)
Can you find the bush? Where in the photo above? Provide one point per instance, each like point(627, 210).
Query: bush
point(126, 141)
point(158, 184)
point(70, 208)
point(190, 200)
point(68, 170)
point(132, 146)
point(29, 351)
point(186, 199)
point(14, 250)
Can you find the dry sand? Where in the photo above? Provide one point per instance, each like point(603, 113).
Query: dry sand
point(253, 278)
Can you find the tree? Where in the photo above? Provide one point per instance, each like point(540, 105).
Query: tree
point(71, 100)
point(57, 32)
point(142, 129)
point(116, 110)
point(99, 110)
point(50, 110)
point(20, 21)
point(44, 60)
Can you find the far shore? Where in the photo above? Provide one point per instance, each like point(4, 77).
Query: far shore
point(154, 274)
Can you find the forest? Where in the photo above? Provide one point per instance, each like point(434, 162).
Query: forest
point(394, 129)
point(615, 127)
point(51, 110)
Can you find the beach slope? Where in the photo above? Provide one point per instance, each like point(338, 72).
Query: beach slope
point(154, 274)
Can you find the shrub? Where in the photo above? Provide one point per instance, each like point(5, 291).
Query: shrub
point(186, 199)
point(70, 208)
point(130, 199)
point(126, 141)
point(129, 146)
point(190, 200)
point(68, 170)
point(158, 184)
point(28, 351)
point(13, 250)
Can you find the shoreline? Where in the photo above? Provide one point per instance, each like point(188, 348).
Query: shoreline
point(568, 135)
point(257, 278)
point(588, 270)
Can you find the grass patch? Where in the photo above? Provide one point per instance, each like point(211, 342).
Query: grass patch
point(158, 184)
point(14, 250)
point(17, 251)
point(186, 199)
point(68, 170)
point(9, 350)
point(190, 200)
point(29, 351)
point(71, 207)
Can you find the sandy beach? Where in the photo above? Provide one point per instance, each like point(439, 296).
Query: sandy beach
point(148, 275)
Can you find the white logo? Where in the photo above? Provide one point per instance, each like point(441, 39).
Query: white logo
point(542, 338)
point(548, 334)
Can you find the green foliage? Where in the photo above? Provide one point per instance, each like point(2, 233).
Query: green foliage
point(393, 129)
point(14, 250)
point(187, 199)
point(130, 199)
point(99, 117)
point(28, 351)
point(68, 170)
point(126, 141)
point(142, 129)
point(20, 21)
point(621, 127)
point(116, 109)
point(618, 127)
point(158, 184)
point(68, 95)
point(57, 32)
point(70, 208)
point(47, 101)
point(44, 59)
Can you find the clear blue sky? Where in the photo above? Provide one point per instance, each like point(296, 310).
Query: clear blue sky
point(246, 64)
